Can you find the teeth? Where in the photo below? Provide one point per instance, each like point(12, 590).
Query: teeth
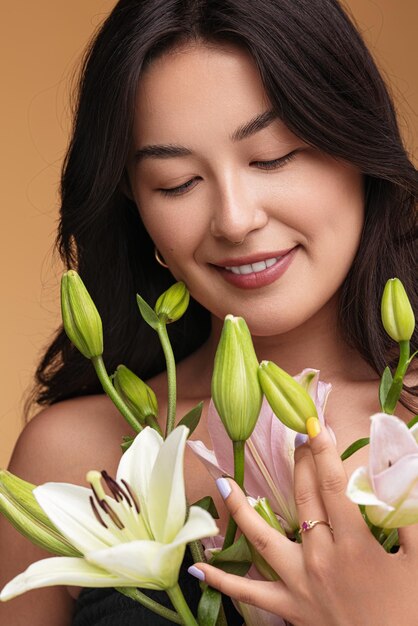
point(253, 268)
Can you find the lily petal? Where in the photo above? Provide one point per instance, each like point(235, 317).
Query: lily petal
point(136, 465)
point(60, 571)
point(68, 507)
point(147, 564)
point(390, 440)
point(166, 498)
point(360, 489)
point(399, 483)
point(200, 524)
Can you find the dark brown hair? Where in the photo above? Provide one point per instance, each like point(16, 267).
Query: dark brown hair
point(322, 82)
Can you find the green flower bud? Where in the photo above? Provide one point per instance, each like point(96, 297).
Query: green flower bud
point(173, 303)
point(290, 402)
point(397, 314)
point(19, 506)
point(263, 508)
point(236, 391)
point(80, 317)
point(135, 393)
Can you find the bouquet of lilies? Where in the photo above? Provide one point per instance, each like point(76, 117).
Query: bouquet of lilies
point(130, 531)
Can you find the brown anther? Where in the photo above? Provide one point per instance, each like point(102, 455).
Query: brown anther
point(96, 512)
point(116, 489)
point(111, 513)
point(132, 495)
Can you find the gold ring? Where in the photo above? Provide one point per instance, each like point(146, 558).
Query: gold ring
point(309, 524)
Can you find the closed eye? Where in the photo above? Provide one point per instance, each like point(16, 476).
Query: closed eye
point(176, 191)
point(275, 163)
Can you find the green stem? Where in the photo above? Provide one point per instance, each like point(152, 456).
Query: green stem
point(396, 387)
point(171, 377)
point(177, 598)
point(391, 540)
point(239, 458)
point(197, 551)
point(146, 601)
point(151, 420)
point(110, 390)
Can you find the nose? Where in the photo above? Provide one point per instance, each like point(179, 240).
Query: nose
point(236, 211)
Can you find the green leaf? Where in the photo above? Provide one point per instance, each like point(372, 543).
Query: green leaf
point(147, 312)
point(413, 421)
point(192, 418)
point(209, 605)
point(357, 445)
point(127, 441)
point(385, 385)
point(235, 560)
point(208, 505)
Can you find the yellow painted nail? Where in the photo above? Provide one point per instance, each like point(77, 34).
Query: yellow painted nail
point(313, 426)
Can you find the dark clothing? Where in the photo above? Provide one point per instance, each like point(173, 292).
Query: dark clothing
point(107, 607)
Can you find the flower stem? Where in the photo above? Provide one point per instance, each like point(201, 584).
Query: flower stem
point(171, 376)
point(150, 604)
point(239, 457)
point(177, 598)
point(396, 387)
point(110, 390)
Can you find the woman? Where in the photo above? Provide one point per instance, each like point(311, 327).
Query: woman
point(263, 165)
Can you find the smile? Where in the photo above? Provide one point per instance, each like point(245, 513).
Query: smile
point(253, 268)
point(259, 271)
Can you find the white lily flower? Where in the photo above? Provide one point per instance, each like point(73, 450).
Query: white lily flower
point(136, 538)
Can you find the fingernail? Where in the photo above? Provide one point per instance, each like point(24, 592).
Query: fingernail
point(196, 572)
point(224, 487)
point(313, 426)
point(300, 439)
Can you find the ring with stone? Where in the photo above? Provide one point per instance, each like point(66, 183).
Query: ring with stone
point(309, 524)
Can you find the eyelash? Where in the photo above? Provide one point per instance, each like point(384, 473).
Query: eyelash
point(266, 165)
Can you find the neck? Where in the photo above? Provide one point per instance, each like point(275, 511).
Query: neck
point(318, 343)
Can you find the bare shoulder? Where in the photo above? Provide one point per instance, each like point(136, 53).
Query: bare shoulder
point(65, 440)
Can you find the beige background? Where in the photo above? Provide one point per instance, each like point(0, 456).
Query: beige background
point(41, 44)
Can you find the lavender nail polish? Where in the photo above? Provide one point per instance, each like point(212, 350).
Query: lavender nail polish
point(300, 439)
point(224, 487)
point(197, 573)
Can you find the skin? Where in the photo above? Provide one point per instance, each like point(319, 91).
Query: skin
point(196, 97)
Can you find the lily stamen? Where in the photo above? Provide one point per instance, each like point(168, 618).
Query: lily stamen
point(132, 495)
point(117, 491)
point(111, 513)
point(96, 513)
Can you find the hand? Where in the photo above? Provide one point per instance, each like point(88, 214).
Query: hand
point(339, 578)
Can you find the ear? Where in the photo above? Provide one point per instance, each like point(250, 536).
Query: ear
point(125, 186)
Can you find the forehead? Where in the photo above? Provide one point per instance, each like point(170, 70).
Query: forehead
point(195, 85)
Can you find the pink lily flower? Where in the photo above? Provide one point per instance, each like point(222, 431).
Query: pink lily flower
point(269, 452)
point(389, 485)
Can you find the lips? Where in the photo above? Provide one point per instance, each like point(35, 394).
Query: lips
point(252, 272)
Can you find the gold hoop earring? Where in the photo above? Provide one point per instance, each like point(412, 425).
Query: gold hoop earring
point(159, 258)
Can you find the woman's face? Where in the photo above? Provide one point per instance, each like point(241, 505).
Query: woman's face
point(211, 166)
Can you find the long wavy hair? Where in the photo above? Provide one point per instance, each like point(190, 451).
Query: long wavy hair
point(323, 84)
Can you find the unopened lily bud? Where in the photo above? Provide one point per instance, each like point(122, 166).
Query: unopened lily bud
point(263, 508)
point(236, 391)
point(290, 402)
point(19, 506)
point(397, 314)
point(139, 397)
point(80, 317)
point(173, 303)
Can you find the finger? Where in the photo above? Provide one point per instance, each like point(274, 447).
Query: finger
point(270, 596)
point(283, 555)
point(309, 502)
point(408, 539)
point(332, 481)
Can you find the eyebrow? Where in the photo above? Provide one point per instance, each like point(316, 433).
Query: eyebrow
point(167, 151)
